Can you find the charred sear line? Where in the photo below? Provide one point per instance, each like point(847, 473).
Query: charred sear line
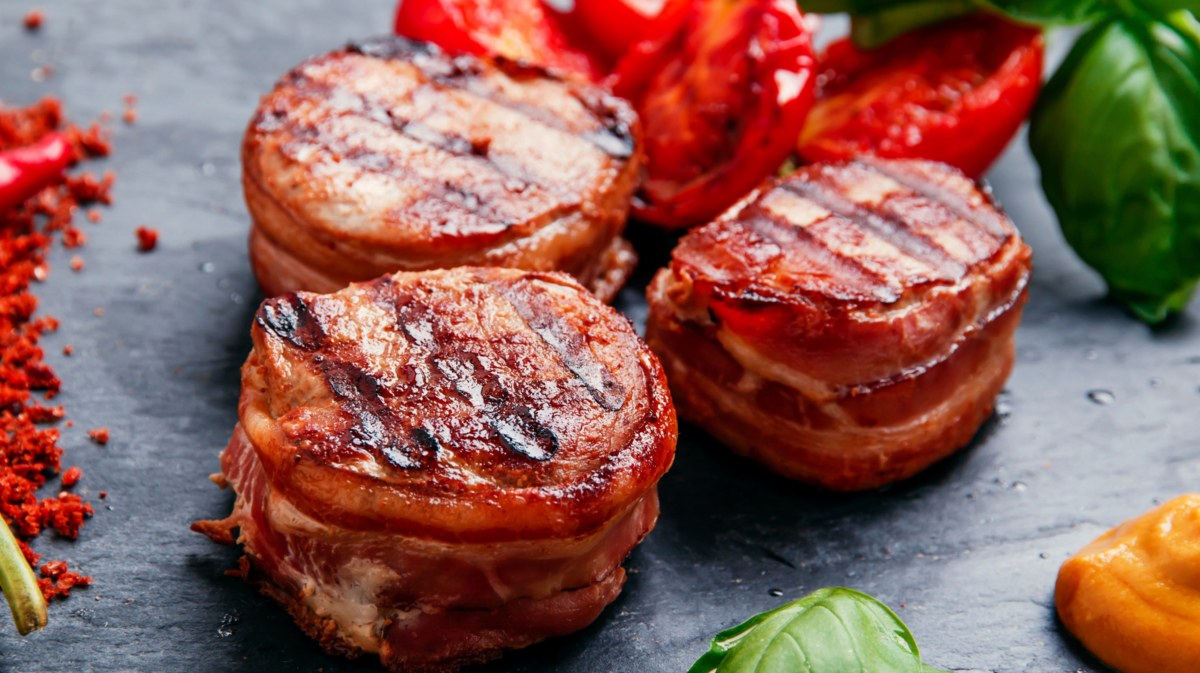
point(468, 74)
point(613, 136)
point(376, 427)
point(391, 47)
point(615, 141)
point(616, 137)
point(795, 241)
point(569, 344)
point(523, 434)
point(464, 374)
point(289, 318)
point(425, 439)
point(948, 198)
point(883, 225)
point(509, 171)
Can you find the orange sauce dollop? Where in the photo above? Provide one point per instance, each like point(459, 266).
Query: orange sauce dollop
point(1132, 596)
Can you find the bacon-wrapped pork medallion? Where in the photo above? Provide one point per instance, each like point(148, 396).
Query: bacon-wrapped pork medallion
point(850, 325)
point(390, 155)
point(437, 466)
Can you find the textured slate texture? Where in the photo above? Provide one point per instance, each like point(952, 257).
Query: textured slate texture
point(966, 553)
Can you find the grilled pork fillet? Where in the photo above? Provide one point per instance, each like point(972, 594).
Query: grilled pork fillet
point(437, 466)
point(850, 325)
point(390, 155)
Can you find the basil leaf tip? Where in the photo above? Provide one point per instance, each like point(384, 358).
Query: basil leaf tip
point(890, 16)
point(1116, 133)
point(832, 630)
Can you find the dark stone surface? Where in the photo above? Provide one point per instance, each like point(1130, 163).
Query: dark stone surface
point(967, 553)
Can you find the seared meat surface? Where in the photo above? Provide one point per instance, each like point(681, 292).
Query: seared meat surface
point(390, 155)
point(437, 466)
point(849, 325)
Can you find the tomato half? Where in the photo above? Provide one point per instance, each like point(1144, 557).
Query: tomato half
point(722, 88)
point(611, 27)
point(522, 30)
point(955, 92)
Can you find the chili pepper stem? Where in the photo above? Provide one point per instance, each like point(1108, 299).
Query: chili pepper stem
point(20, 587)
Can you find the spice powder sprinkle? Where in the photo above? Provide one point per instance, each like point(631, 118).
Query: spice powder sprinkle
point(29, 446)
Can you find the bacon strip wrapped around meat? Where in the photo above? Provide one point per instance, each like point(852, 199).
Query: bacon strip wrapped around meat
point(847, 325)
point(390, 155)
point(437, 466)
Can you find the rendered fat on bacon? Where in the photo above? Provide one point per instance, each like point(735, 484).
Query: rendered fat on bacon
point(437, 466)
point(850, 325)
point(390, 155)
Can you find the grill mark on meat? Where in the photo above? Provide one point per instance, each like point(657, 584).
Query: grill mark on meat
point(377, 431)
point(797, 243)
point(541, 445)
point(391, 47)
point(570, 345)
point(909, 177)
point(466, 375)
point(454, 144)
point(290, 318)
point(506, 172)
point(510, 174)
point(614, 137)
point(894, 230)
point(874, 254)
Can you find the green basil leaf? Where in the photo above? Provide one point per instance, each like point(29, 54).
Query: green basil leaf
point(874, 29)
point(1037, 11)
point(847, 6)
point(834, 630)
point(894, 17)
point(1117, 135)
point(1054, 12)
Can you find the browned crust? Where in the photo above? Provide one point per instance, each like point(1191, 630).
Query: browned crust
point(852, 317)
point(862, 439)
point(433, 500)
point(495, 637)
point(279, 271)
point(546, 588)
point(310, 232)
point(847, 326)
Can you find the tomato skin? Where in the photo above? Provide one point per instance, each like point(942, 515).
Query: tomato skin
point(612, 27)
point(722, 88)
point(955, 92)
point(521, 30)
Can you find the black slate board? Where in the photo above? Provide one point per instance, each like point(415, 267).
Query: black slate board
point(967, 553)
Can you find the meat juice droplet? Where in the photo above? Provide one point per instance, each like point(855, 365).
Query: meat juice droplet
point(1004, 406)
point(228, 621)
point(1102, 397)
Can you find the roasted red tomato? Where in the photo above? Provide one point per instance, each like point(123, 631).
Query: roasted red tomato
point(611, 27)
point(954, 92)
point(720, 87)
point(522, 30)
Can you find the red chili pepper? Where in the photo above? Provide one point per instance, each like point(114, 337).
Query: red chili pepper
point(26, 170)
